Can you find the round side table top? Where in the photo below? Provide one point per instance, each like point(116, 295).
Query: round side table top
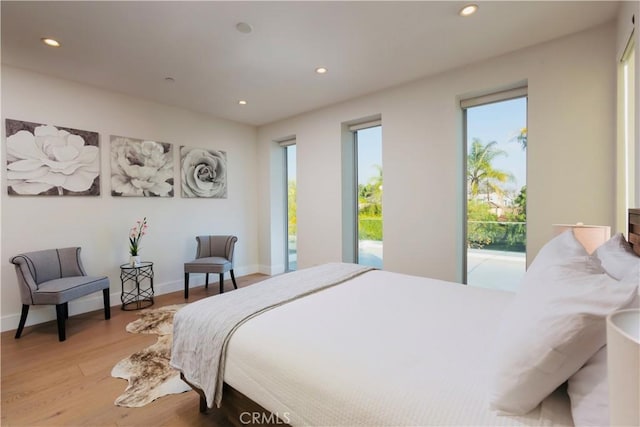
point(128, 266)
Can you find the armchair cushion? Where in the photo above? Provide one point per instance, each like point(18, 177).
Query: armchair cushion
point(65, 289)
point(212, 264)
point(50, 264)
point(216, 246)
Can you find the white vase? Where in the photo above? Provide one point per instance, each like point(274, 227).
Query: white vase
point(135, 261)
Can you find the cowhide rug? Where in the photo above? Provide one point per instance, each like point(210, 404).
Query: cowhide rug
point(148, 370)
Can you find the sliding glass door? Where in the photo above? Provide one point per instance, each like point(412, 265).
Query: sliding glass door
point(496, 199)
point(291, 248)
point(368, 145)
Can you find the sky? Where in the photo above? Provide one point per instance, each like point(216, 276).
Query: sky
point(369, 153)
point(501, 122)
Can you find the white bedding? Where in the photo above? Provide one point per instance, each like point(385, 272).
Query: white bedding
point(381, 349)
point(201, 331)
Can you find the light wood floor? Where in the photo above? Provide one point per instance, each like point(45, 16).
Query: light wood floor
point(50, 383)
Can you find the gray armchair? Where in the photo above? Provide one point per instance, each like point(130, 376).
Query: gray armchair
point(214, 255)
point(55, 277)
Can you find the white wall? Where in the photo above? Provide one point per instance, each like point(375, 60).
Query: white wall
point(100, 225)
point(571, 124)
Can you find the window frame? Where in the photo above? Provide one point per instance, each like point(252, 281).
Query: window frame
point(520, 91)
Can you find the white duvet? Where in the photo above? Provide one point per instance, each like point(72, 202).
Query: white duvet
point(381, 349)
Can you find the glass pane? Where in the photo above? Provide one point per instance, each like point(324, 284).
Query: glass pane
point(496, 194)
point(292, 224)
point(369, 149)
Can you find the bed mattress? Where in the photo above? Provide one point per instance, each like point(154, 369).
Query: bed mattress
point(381, 349)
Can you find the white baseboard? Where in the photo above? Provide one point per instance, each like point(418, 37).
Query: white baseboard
point(46, 313)
point(271, 270)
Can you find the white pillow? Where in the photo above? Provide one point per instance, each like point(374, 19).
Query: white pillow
point(617, 257)
point(562, 246)
point(554, 325)
point(588, 390)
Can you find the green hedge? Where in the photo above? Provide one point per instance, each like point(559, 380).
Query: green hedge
point(370, 228)
point(510, 236)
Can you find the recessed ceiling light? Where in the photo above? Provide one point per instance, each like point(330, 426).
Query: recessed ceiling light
point(242, 102)
point(50, 42)
point(468, 10)
point(321, 70)
point(243, 27)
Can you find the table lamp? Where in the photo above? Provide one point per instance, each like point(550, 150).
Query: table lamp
point(591, 236)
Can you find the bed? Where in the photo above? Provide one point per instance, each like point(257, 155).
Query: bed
point(369, 347)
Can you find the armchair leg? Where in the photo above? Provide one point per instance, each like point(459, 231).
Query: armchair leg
point(66, 310)
point(206, 281)
point(233, 279)
point(221, 282)
point(107, 304)
point(61, 319)
point(186, 285)
point(23, 320)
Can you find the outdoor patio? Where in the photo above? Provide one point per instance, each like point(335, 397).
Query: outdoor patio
point(486, 268)
point(495, 269)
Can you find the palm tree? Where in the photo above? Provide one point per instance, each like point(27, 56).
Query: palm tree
point(480, 172)
point(522, 138)
point(292, 205)
point(370, 195)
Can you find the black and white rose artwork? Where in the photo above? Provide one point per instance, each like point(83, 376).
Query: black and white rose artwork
point(47, 160)
point(204, 173)
point(141, 168)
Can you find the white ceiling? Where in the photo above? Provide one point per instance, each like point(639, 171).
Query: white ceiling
point(130, 47)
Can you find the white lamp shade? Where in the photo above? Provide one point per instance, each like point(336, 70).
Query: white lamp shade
point(591, 236)
point(623, 362)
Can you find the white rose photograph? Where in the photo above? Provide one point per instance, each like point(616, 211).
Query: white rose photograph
point(46, 160)
point(204, 173)
point(141, 168)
